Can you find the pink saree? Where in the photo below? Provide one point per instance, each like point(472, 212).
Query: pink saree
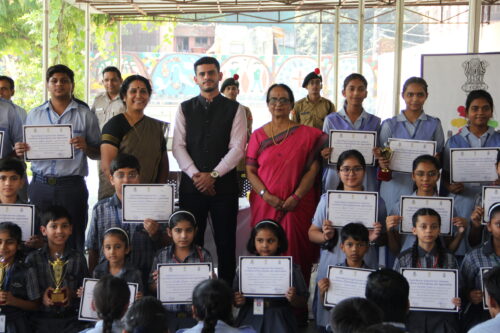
point(281, 167)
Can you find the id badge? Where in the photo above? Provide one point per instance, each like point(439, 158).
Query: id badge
point(3, 319)
point(258, 306)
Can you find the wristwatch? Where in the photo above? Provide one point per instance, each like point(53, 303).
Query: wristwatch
point(262, 192)
point(214, 174)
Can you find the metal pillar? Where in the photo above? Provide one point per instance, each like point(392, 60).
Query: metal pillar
point(474, 26)
point(87, 53)
point(398, 53)
point(336, 51)
point(119, 46)
point(361, 28)
point(45, 46)
point(320, 31)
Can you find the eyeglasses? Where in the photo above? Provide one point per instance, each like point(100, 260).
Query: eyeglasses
point(429, 174)
point(274, 100)
point(353, 169)
point(130, 175)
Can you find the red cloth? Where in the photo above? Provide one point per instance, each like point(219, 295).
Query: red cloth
point(281, 167)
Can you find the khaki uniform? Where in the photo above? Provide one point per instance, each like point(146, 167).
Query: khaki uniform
point(312, 114)
point(105, 109)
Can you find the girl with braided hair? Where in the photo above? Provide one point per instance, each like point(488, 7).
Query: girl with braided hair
point(428, 252)
point(212, 307)
point(111, 300)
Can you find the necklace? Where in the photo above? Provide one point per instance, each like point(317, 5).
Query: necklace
point(286, 135)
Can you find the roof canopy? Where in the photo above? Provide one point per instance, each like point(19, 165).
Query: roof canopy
point(203, 10)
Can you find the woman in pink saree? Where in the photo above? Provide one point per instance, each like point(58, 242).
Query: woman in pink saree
point(282, 164)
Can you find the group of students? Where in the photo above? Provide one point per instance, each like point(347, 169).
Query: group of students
point(131, 252)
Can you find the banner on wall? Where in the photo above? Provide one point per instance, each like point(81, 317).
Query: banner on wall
point(451, 77)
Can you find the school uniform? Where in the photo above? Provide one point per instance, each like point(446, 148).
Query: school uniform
point(117, 327)
point(464, 201)
point(179, 315)
point(12, 126)
point(106, 214)
point(278, 313)
point(58, 318)
point(61, 182)
point(483, 256)
point(128, 273)
point(312, 114)
point(428, 321)
point(424, 128)
point(220, 327)
point(336, 256)
point(340, 121)
point(21, 281)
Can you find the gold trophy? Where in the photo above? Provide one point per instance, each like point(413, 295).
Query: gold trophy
point(385, 174)
point(3, 268)
point(58, 272)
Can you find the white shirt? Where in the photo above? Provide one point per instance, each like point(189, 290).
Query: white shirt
point(237, 142)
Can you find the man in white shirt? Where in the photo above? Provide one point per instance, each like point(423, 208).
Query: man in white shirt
point(107, 105)
point(209, 141)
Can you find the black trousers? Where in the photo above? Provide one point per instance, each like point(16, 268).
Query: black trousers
point(223, 209)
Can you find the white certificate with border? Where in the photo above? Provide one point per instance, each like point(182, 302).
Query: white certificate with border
point(176, 282)
point(410, 204)
point(473, 165)
point(20, 214)
point(362, 141)
point(432, 289)
point(406, 151)
point(147, 201)
point(483, 271)
point(345, 282)
point(265, 276)
point(48, 142)
point(86, 313)
point(491, 195)
point(2, 134)
point(351, 206)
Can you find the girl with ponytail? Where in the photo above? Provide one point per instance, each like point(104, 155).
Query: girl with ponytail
point(111, 300)
point(428, 252)
point(212, 307)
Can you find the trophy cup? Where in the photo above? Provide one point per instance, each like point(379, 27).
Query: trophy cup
point(384, 174)
point(58, 271)
point(3, 268)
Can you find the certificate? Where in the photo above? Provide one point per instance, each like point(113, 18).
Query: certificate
point(350, 206)
point(473, 165)
point(432, 289)
point(86, 312)
point(147, 201)
point(406, 151)
point(265, 276)
point(22, 215)
point(362, 141)
point(51, 142)
point(176, 282)
point(345, 282)
point(491, 195)
point(483, 271)
point(410, 204)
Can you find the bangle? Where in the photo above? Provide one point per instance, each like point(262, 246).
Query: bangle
point(295, 196)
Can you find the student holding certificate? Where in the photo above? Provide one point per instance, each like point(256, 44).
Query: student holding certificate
point(428, 252)
point(182, 229)
point(487, 255)
point(351, 166)
point(19, 293)
point(477, 134)
point(426, 176)
point(411, 124)
point(351, 117)
point(268, 239)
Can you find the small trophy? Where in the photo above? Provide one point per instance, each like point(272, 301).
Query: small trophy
point(58, 271)
point(3, 268)
point(384, 174)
